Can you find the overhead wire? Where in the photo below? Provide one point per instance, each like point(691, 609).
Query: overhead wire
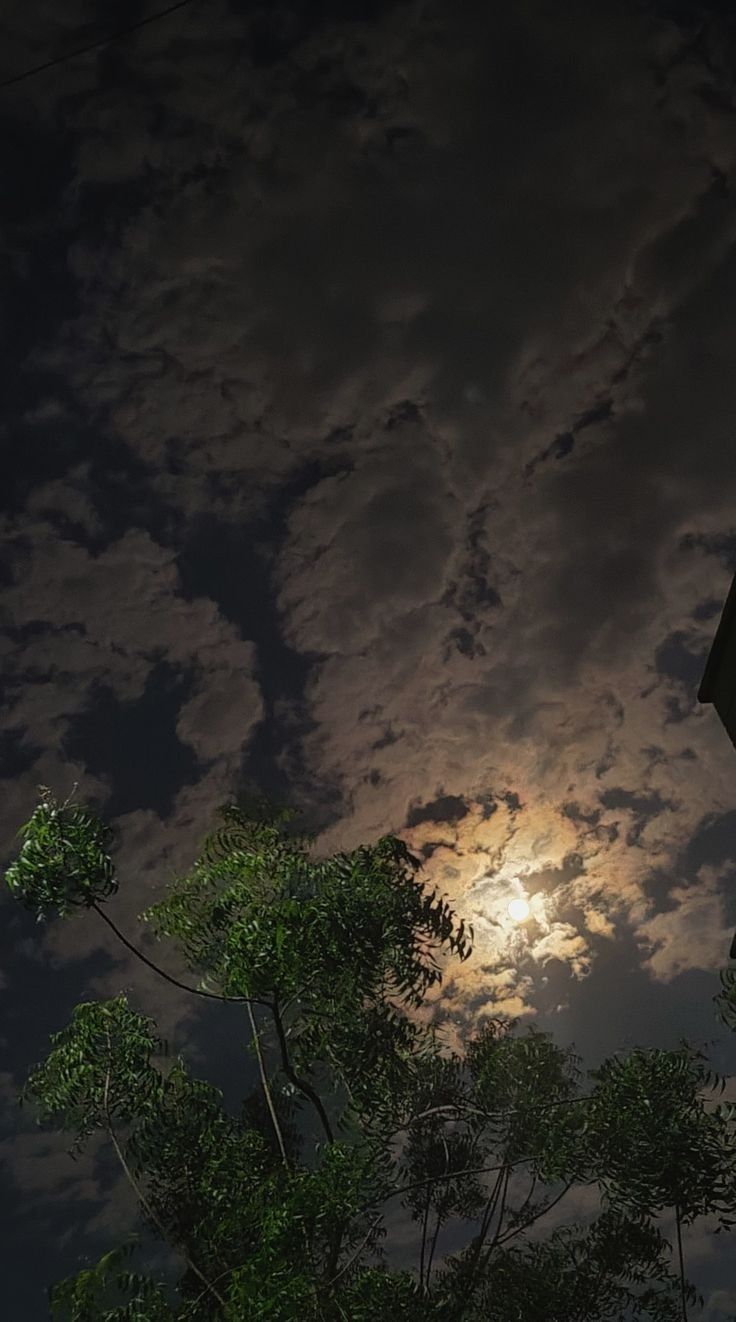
point(93, 45)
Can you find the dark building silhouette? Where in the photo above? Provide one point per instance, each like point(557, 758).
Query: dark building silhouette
point(718, 684)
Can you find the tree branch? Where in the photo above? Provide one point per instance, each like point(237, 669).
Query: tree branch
point(265, 1086)
point(147, 1207)
point(298, 995)
point(510, 1234)
point(683, 1295)
point(502, 1209)
point(433, 1246)
point(423, 1246)
point(349, 1262)
point(528, 1198)
point(309, 1092)
point(452, 1175)
point(490, 1206)
point(485, 1224)
point(297, 1082)
point(196, 991)
point(438, 1222)
point(464, 1107)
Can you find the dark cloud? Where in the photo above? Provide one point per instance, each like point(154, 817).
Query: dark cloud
point(714, 838)
point(674, 658)
point(139, 737)
point(446, 808)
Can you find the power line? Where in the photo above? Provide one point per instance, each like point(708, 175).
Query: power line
point(93, 45)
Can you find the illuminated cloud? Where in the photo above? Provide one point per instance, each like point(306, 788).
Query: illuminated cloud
point(693, 932)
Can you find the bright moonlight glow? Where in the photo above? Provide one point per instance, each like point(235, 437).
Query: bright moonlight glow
point(518, 910)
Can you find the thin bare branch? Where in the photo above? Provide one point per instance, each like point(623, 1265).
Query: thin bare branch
point(196, 991)
point(681, 1260)
point(357, 1252)
point(518, 1230)
point(265, 1086)
point(423, 1245)
point(295, 1079)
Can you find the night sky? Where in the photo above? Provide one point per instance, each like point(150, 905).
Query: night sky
point(369, 422)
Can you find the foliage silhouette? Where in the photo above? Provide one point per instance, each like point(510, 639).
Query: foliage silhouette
point(283, 1212)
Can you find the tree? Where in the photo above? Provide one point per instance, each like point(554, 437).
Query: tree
point(280, 1213)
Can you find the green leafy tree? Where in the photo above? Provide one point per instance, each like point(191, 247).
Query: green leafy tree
point(363, 1113)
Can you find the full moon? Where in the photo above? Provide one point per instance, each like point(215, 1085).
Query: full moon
point(518, 910)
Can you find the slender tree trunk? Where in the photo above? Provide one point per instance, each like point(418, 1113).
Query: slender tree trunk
point(425, 1223)
point(265, 1086)
point(683, 1296)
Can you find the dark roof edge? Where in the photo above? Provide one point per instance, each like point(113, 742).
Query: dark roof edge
point(726, 624)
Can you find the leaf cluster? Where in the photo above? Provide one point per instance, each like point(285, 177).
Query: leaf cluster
point(276, 1223)
point(619, 1267)
point(64, 861)
point(653, 1143)
point(343, 947)
point(99, 1070)
point(108, 1292)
